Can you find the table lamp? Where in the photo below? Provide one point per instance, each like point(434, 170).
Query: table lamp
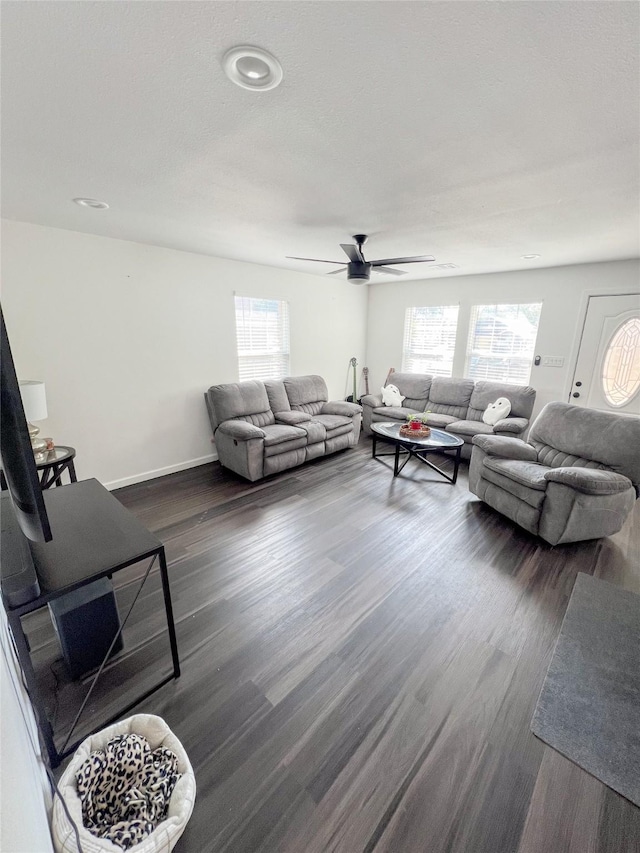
point(34, 401)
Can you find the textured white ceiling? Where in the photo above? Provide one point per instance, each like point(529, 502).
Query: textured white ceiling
point(473, 131)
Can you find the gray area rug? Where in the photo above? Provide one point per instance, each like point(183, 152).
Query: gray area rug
point(589, 706)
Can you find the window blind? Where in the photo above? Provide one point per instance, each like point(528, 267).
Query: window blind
point(430, 339)
point(501, 342)
point(262, 332)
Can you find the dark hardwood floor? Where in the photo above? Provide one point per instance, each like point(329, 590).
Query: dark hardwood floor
point(361, 658)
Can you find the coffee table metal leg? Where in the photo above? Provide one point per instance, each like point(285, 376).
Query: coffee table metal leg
point(456, 465)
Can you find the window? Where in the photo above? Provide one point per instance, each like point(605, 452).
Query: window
point(621, 370)
point(501, 342)
point(430, 339)
point(262, 331)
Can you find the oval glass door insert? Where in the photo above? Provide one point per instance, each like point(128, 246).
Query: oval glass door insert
point(621, 364)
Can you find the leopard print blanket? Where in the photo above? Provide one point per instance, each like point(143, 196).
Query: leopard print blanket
point(125, 789)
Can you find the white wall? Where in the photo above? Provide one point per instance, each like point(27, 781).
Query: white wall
point(127, 337)
point(562, 290)
point(25, 793)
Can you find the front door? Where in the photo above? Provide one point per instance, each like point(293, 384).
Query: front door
point(607, 374)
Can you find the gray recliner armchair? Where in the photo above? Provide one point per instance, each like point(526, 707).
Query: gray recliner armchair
point(576, 477)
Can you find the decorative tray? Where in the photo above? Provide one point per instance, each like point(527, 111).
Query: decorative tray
point(407, 432)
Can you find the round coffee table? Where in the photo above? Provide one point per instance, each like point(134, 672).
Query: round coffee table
point(416, 448)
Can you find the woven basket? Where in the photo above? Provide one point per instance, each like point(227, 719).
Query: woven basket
point(167, 832)
point(407, 432)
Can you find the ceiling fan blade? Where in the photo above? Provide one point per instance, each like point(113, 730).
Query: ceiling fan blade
point(418, 259)
point(316, 260)
point(353, 253)
point(335, 272)
point(388, 271)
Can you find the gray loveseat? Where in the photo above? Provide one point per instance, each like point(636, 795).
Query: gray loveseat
point(455, 405)
point(261, 428)
point(577, 477)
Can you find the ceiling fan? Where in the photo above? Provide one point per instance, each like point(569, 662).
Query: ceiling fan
point(359, 269)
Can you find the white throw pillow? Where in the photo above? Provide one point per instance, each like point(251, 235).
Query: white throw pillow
point(496, 411)
point(391, 396)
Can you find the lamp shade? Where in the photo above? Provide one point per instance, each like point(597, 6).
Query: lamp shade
point(34, 399)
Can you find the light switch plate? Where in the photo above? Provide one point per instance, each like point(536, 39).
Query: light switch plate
point(553, 361)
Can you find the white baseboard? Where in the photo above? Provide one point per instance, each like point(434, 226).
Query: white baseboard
point(160, 472)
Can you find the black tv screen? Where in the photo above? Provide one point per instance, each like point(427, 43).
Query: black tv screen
point(18, 462)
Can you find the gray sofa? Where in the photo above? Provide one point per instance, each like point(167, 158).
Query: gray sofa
point(455, 405)
point(261, 428)
point(576, 477)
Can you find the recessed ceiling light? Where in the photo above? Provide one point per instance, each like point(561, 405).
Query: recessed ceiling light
point(529, 257)
point(252, 68)
point(92, 202)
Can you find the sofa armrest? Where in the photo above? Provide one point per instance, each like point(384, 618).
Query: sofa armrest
point(292, 418)
point(373, 400)
point(507, 448)
point(590, 481)
point(341, 407)
point(511, 425)
point(240, 430)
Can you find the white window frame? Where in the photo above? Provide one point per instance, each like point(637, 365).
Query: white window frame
point(507, 347)
point(262, 337)
point(428, 345)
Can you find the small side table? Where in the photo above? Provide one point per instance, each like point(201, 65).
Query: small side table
point(55, 463)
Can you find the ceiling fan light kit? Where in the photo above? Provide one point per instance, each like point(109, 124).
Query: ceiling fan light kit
point(359, 269)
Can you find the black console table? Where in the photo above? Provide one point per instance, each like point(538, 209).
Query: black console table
point(94, 537)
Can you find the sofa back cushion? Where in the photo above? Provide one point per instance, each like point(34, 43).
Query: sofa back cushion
point(450, 396)
point(414, 387)
point(277, 395)
point(246, 401)
point(521, 397)
point(306, 393)
point(573, 436)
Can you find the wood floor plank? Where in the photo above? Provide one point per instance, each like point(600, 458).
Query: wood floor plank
point(565, 809)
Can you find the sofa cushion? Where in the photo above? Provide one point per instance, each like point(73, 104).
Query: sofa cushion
point(276, 392)
point(532, 497)
point(529, 474)
point(470, 428)
point(292, 418)
point(240, 430)
point(450, 392)
point(414, 387)
point(439, 421)
point(303, 391)
point(316, 432)
point(506, 447)
point(515, 426)
point(278, 433)
point(245, 400)
point(395, 413)
point(341, 407)
point(334, 424)
point(521, 397)
point(590, 481)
